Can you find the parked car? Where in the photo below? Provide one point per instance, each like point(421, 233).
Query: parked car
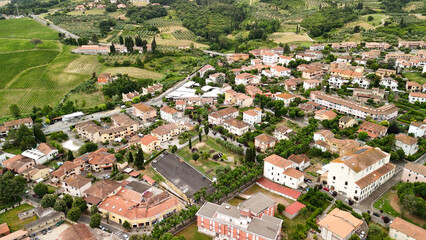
point(44, 231)
point(376, 214)
point(59, 223)
point(49, 229)
point(326, 189)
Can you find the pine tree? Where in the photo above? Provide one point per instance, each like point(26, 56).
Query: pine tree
point(139, 161)
point(153, 45)
point(286, 48)
point(38, 134)
point(190, 143)
point(206, 129)
point(144, 47)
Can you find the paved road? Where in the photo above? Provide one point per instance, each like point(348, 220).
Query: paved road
point(54, 27)
point(216, 53)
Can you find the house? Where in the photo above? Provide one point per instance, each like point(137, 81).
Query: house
point(400, 229)
point(418, 128)
point(290, 85)
point(205, 69)
point(414, 97)
point(325, 140)
point(36, 172)
point(305, 56)
point(347, 122)
point(78, 231)
point(346, 74)
point(325, 115)
point(216, 78)
point(411, 44)
point(104, 78)
point(373, 130)
point(128, 97)
point(279, 71)
point(75, 185)
point(15, 124)
point(309, 107)
point(375, 94)
point(238, 57)
point(414, 172)
point(337, 81)
point(139, 204)
point(382, 72)
point(41, 154)
point(252, 116)
point(253, 90)
point(236, 126)
point(100, 191)
point(389, 83)
point(237, 99)
point(251, 219)
point(18, 163)
point(65, 170)
point(377, 45)
point(385, 112)
point(269, 58)
point(406, 143)
point(373, 54)
point(317, 47)
point(149, 143)
point(167, 132)
point(339, 225)
point(361, 82)
point(344, 45)
point(91, 50)
point(412, 86)
point(343, 59)
point(170, 114)
point(309, 84)
point(144, 111)
point(301, 161)
point(282, 132)
point(287, 98)
point(282, 171)
point(246, 78)
point(217, 118)
point(285, 60)
point(312, 72)
point(264, 141)
point(153, 90)
point(102, 161)
point(356, 175)
point(360, 61)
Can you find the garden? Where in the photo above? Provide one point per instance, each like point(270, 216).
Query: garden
point(11, 217)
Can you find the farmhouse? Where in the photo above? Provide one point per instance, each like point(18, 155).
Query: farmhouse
point(91, 50)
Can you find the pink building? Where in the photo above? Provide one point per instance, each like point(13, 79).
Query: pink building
point(251, 219)
point(144, 112)
point(18, 163)
point(414, 173)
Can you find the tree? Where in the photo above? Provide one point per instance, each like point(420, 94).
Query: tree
point(95, 220)
point(74, 214)
point(199, 136)
point(206, 129)
point(40, 189)
point(287, 48)
point(126, 225)
point(68, 199)
point(94, 38)
point(130, 157)
point(48, 200)
point(195, 156)
point(79, 203)
point(11, 187)
point(14, 110)
point(70, 155)
point(139, 160)
point(121, 40)
point(409, 202)
point(280, 208)
point(36, 41)
point(112, 49)
point(190, 144)
point(87, 147)
point(354, 237)
point(174, 148)
point(362, 136)
point(38, 134)
point(94, 209)
point(153, 45)
point(370, 18)
point(60, 205)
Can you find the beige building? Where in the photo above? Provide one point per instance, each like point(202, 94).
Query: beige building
point(217, 118)
point(264, 141)
point(149, 143)
point(339, 225)
point(144, 112)
point(76, 185)
point(400, 229)
point(167, 131)
point(237, 99)
point(236, 126)
point(347, 122)
point(36, 172)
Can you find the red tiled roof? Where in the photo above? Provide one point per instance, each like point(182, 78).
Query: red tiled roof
point(294, 208)
point(148, 179)
point(276, 187)
point(134, 174)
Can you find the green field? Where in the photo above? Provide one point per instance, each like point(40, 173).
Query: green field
point(415, 76)
point(37, 75)
point(384, 204)
point(11, 217)
point(191, 232)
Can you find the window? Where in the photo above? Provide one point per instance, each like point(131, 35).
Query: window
point(346, 183)
point(334, 177)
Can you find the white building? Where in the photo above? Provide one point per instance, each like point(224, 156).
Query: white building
point(236, 126)
point(287, 98)
point(282, 171)
point(358, 174)
point(169, 114)
point(417, 97)
point(362, 82)
point(400, 229)
point(337, 81)
point(252, 116)
point(285, 60)
point(72, 116)
point(390, 83)
point(75, 185)
point(279, 71)
point(406, 143)
point(270, 58)
point(317, 47)
point(42, 153)
point(308, 84)
point(282, 132)
point(418, 128)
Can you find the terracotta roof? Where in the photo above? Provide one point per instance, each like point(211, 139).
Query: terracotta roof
point(282, 129)
point(413, 84)
point(180, 102)
point(293, 173)
point(236, 123)
point(143, 107)
point(327, 113)
point(345, 119)
point(374, 176)
point(340, 222)
point(418, 168)
point(102, 189)
point(121, 119)
point(92, 200)
point(265, 138)
point(77, 232)
point(77, 181)
point(164, 129)
point(278, 188)
point(168, 110)
point(418, 94)
point(16, 235)
point(64, 168)
point(370, 127)
point(18, 122)
point(294, 208)
point(148, 139)
point(278, 161)
point(406, 139)
point(244, 76)
point(223, 112)
point(251, 112)
point(408, 229)
point(4, 229)
point(285, 95)
point(280, 68)
point(134, 174)
point(325, 133)
point(103, 159)
point(362, 158)
point(148, 179)
point(45, 148)
point(302, 158)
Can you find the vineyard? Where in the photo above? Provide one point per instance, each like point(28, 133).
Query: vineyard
point(160, 22)
point(184, 35)
point(82, 25)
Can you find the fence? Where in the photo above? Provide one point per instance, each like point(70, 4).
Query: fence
point(25, 201)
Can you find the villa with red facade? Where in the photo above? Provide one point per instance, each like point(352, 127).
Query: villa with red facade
point(250, 220)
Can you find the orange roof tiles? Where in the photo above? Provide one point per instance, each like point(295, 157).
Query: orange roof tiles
point(340, 223)
point(265, 138)
point(278, 161)
point(408, 229)
point(406, 139)
point(293, 173)
point(148, 139)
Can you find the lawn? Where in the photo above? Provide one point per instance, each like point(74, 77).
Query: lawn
point(415, 76)
point(377, 19)
point(26, 28)
point(134, 72)
point(191, 232)
point(384, 203)
point(10, 45)
point(288, 37)
point(11, 217)
point(87, 100)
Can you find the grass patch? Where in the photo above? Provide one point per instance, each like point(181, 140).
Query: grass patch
point(288, 37)
point(415, 76)
point(384, 204)
point(15, 151)
point(90, 100)
point(191, 232)
point(134, 72)
point(26, 28)
point(11, 217)
point(10, 45)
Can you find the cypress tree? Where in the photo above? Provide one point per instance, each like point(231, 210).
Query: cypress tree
point(121, 40)
point(190, 144)
point(153, 45)
point(130, 157)
point(70, 156)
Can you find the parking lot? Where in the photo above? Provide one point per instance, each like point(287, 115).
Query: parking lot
point(56, 231)
point(181, 174)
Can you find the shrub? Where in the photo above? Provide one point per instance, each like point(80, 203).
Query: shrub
point(95, 220)
point(280, 208)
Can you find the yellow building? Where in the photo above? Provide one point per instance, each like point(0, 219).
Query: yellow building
point(36, 172)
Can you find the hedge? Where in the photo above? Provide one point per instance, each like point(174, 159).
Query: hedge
point(154, 156)
point(231, 147)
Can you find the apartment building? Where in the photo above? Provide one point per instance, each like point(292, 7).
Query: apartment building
point(325, 140)
point(217, 118)
point(386, 112)
point(251, 219)
point(270, 58)
point(170, 114)
point(282, 171)
point(149, 144)
point(65, 170)
point(414, 172)
point(358, 174)
point(236, 126)
point(373, 130)
point(285, 60)
point(237, 99)
point(412, 44)
point(417, 97)
point(287, 98)
point(279, 71)
point(168, 131)
point(252, 116)
point(76, 185)
point(144, 111)
point(406, 143)
point(377, 45)
point(362, 95)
